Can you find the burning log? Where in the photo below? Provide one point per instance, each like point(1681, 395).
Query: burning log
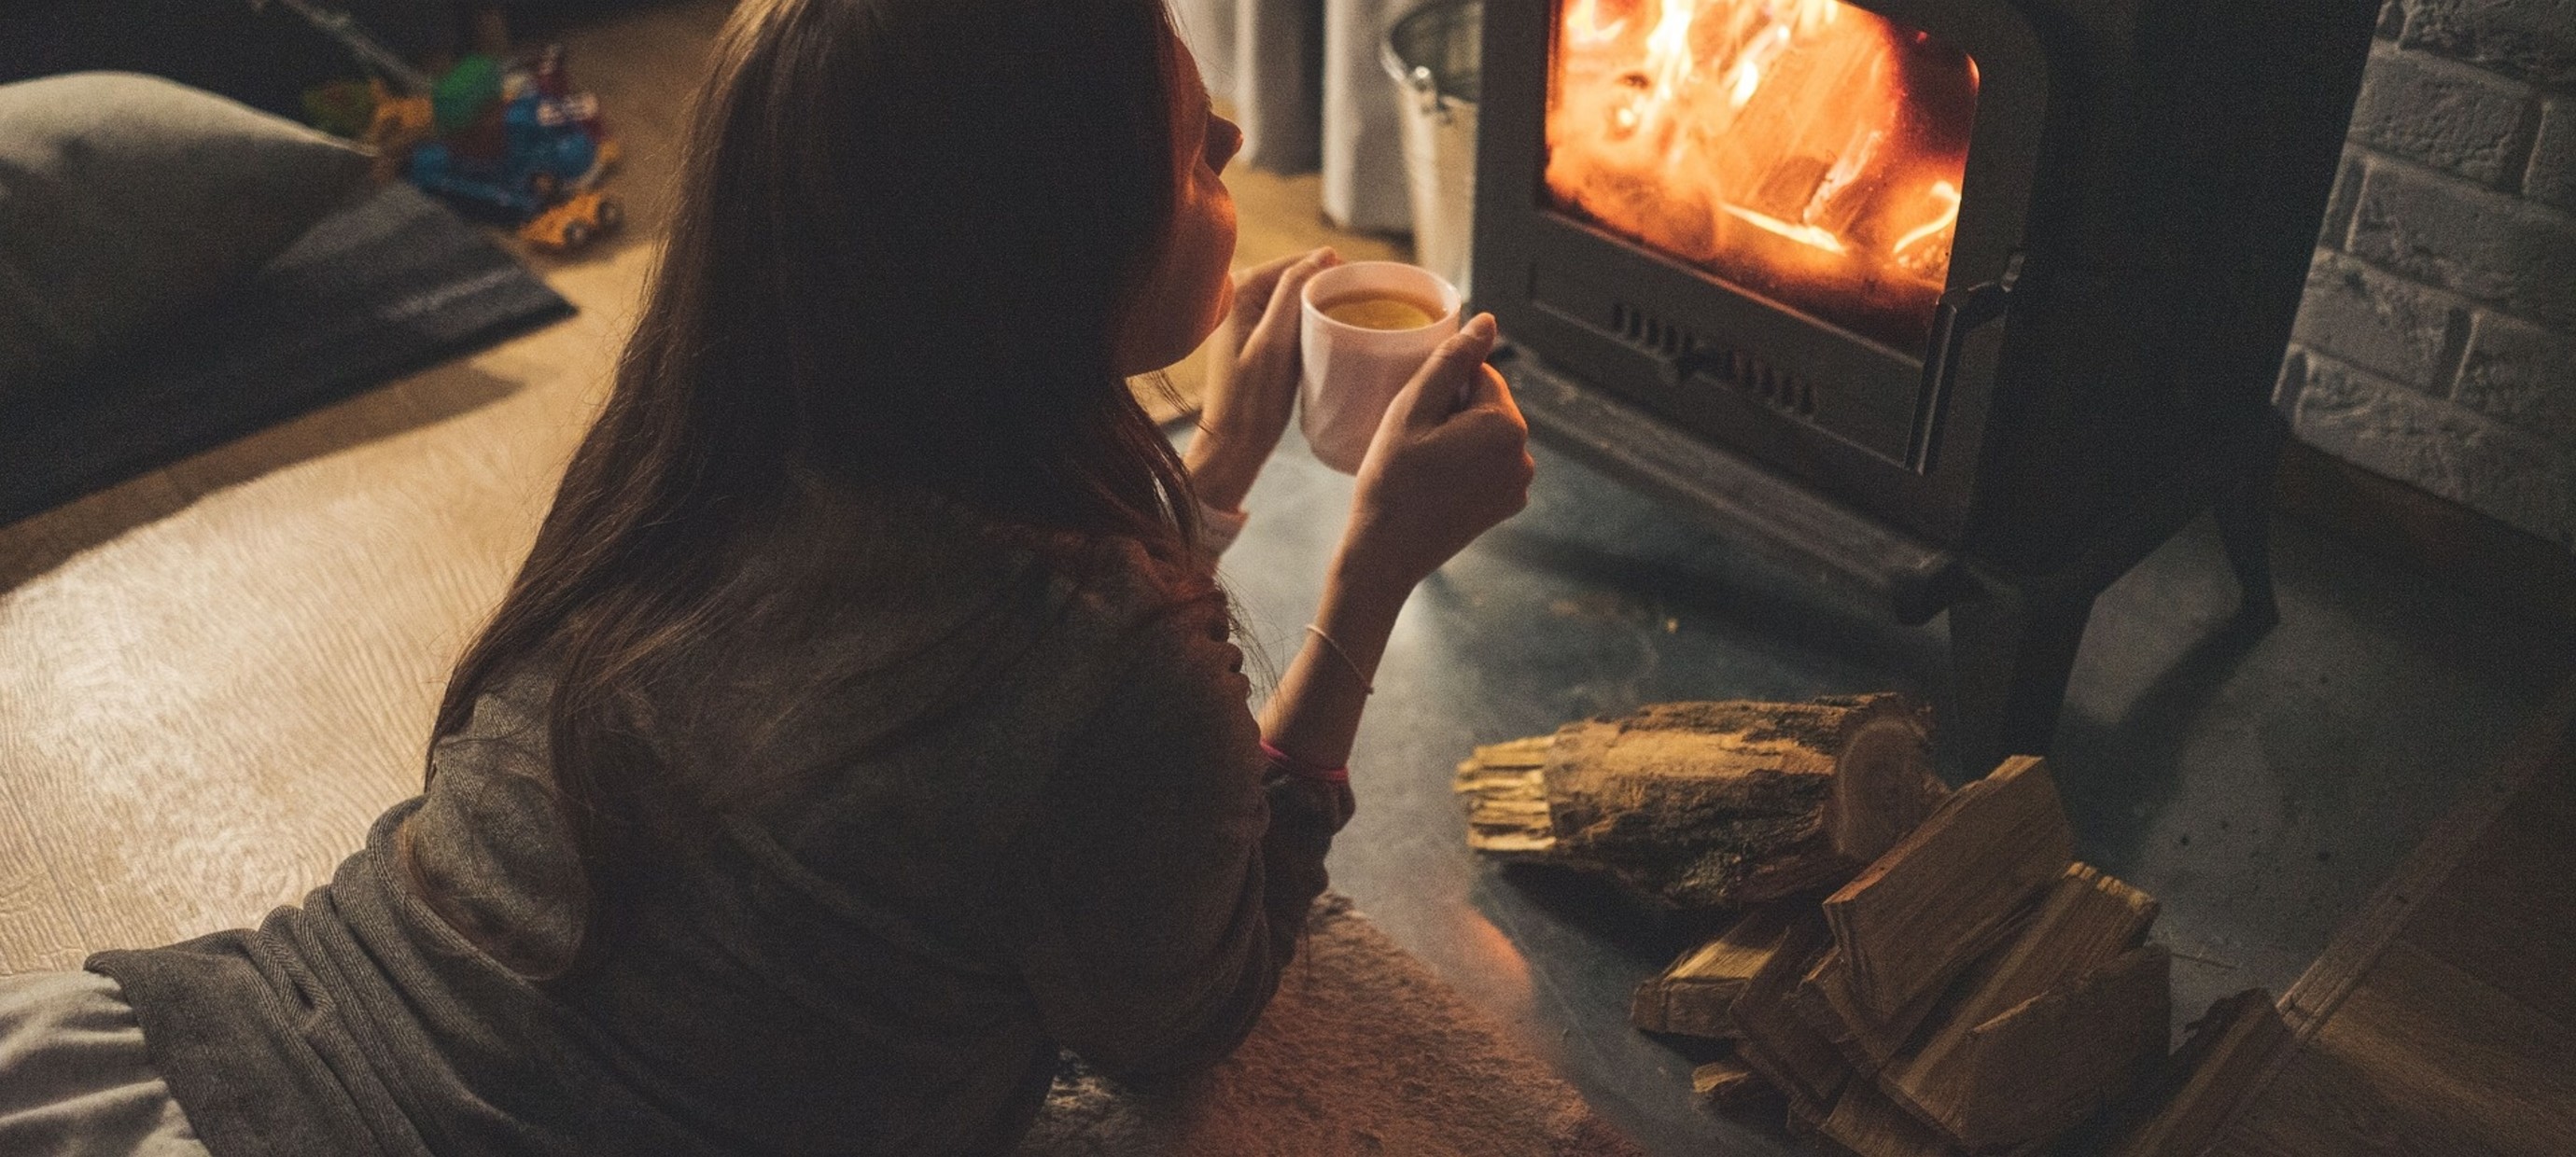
point(1710, 805)
point(1810, 151)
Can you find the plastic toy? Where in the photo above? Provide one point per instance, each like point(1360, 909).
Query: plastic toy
point(573, 222)
point(532, 144)
point(509, 142)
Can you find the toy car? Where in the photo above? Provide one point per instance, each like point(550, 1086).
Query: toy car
point(573, 222)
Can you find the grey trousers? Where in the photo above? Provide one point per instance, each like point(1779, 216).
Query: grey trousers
point(74, 1079)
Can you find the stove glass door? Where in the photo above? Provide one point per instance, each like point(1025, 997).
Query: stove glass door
point(1809, 152)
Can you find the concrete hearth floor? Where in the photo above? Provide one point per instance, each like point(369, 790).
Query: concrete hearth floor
point(2260, 787)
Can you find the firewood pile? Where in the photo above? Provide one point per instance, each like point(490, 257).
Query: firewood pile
point(1915, 971)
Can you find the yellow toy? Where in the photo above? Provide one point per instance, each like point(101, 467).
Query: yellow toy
point(573, 222)
point(399, 123)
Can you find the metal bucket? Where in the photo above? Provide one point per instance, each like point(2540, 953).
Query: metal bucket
point(1434, 54)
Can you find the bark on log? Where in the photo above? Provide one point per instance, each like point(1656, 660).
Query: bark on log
point(1710, 804)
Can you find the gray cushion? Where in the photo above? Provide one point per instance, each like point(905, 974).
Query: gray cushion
point(127, 198)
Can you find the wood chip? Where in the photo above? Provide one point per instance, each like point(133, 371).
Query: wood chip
point(1729, 1083)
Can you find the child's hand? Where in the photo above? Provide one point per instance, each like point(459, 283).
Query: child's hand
point(1252, 377)
point(1450, 460)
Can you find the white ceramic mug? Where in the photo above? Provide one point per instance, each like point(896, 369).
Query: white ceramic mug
point(1351, 372)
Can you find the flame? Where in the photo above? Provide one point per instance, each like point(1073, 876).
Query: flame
point(1583, 24)
point(1668, 55)
point(1807, 150)
point(1948, 195)
point(1802, 234)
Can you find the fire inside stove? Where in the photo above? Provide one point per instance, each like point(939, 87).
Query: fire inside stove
point(1808, 151)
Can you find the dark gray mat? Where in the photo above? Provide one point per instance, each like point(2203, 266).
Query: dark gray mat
point(390, 285)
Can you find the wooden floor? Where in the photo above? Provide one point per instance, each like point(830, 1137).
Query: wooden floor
point(214, 676)
point(2443, 1019)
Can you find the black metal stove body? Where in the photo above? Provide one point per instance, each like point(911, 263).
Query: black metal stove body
point(2143, 185)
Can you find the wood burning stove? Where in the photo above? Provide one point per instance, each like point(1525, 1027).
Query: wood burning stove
point(1971, 302)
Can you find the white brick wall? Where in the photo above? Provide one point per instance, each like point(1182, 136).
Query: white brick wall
point(2437, 343)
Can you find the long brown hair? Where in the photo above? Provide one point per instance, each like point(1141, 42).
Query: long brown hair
point(905, 236)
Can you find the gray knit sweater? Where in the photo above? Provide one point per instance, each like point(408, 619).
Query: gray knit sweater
point(1084, 850)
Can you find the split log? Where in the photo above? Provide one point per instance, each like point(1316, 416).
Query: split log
point(1710, 804)
point(2085, 921)
point(2038, 1068)
point(1807, 999)
point(2218, 1064)
point(1867, 1124)
point(2080, 926)
point(1927, 908)
point(1693, 996)
point(1868, 1042)
point(1794, 1058)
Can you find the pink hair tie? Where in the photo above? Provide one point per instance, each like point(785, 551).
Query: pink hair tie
point(1302, 769)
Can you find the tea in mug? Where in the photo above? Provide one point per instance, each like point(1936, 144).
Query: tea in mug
point(1379, 310)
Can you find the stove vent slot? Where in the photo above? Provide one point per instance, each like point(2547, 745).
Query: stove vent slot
point(1690, 356)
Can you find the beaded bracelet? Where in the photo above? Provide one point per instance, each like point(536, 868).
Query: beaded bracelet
point(1302, 769)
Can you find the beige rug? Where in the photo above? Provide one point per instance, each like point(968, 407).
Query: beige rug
point(1364, 1051)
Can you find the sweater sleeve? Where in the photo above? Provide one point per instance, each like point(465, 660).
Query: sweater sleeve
point(1173, 870)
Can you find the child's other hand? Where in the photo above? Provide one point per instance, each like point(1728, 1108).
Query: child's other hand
point(1450, 461)
point(1252, 377)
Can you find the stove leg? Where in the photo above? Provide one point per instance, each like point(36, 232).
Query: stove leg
point(2010, 654)
point(2244, 516)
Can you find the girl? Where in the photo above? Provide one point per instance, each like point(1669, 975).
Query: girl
point(862, 727)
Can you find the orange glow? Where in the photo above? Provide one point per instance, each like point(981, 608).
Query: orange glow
point(1806, 150)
